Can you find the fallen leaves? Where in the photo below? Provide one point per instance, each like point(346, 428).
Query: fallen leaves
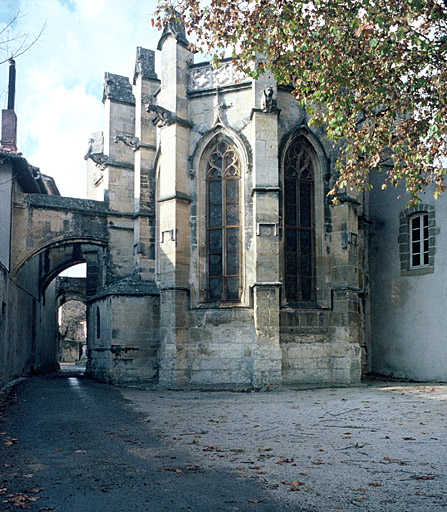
point(213, 449)
point(21, 500)
point(193, 469)
point(285, 460)
point(293, 484)
point(398, 461)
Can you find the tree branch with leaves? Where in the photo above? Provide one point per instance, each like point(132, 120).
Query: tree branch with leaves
point(374, 73)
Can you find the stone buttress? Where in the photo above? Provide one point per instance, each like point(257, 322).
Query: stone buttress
point(123, 337)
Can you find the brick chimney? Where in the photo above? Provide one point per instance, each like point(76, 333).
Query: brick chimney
point(9, 119)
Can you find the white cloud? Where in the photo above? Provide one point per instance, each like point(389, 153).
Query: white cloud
point(59, 80)
point(60, 124)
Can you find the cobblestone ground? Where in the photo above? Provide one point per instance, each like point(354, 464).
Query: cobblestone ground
point(376, 447)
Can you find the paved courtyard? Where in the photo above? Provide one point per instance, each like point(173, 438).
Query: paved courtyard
point(70, 444)
point(378, 447)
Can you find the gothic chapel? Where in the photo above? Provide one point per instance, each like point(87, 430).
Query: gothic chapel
point(243, 273)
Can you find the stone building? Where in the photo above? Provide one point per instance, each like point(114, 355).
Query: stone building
point(231, 268)
point(215, 258)
point(407, 299)
point(24, 320)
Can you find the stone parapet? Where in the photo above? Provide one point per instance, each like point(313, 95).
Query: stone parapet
point(204, 76)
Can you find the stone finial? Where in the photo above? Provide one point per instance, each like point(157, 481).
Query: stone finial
point(145, 64)
point(118, 88)
point(174, 27)
point(220, 117)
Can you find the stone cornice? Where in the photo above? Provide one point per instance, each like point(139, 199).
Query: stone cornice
point(275, 111)
point(223, 88)
point(265, 190)
point(179, 196)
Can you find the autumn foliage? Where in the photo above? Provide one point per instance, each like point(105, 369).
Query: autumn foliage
point(374, 73)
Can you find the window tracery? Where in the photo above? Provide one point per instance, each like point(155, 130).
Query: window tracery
point(223, 172)
point(299, 224)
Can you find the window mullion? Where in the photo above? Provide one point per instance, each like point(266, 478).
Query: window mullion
point(224, 235)
point(224, 167)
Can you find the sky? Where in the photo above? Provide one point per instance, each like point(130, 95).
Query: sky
point(60, 78)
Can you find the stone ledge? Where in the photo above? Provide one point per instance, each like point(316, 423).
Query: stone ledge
point(417, 271)
point(128, 287)
point(67, 203)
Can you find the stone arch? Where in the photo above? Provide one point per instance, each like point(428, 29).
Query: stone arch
point(199, 257)
point(70, 288)
point(54, 223)
point(205, 141)
point(59, 243)
point(57, 256)
point(36, 276)
point(314, 143)
point(72, 327)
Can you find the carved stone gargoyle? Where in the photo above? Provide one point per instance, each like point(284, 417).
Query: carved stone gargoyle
point(162, 117)
point(99, 159)
point(128, 140)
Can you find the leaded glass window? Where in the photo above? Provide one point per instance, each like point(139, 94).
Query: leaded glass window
point(299, 223)
point(223, 224)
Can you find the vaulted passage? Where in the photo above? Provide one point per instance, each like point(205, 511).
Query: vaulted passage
point(48, 234)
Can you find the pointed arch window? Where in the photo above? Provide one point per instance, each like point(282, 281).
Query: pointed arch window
point(223, 223)
point(299, 223)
